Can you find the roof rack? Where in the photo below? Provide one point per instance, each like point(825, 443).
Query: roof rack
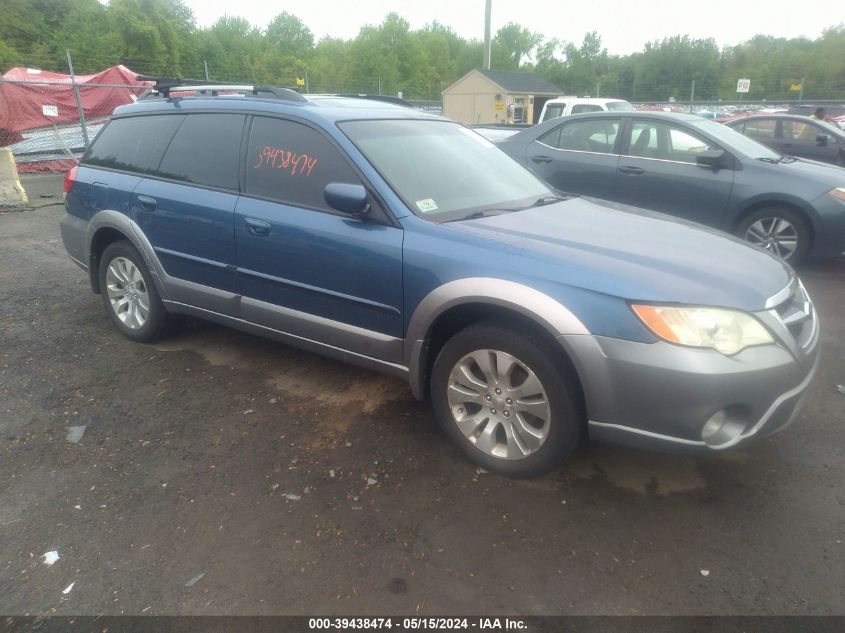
point(386, 98)
point(164, 86)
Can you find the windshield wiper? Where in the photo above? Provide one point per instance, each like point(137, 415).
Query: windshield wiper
point(485, 213)
point(786, 158)
point(540, 202)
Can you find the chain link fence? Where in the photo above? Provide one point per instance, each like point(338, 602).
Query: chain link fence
point(47, 118)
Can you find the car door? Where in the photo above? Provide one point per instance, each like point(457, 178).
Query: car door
point(801, 138)
point(304, 268)
point(658, 170)
point(186, 208)
point(579, 156)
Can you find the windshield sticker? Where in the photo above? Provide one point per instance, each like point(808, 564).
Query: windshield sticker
point(427, 206)
point(279, 158)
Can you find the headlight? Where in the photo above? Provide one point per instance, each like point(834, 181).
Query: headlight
point(726, 331)
point(838, 192)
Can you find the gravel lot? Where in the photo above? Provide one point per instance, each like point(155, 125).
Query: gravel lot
point(220, 473)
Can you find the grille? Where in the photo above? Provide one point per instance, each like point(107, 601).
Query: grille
point(798, 315)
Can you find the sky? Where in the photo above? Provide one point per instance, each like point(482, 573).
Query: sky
point(624, 25)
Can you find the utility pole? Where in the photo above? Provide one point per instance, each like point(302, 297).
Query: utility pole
point(488, 10)
point(801, 92)
point(79, 108)
point(691, 96)
point(598, 89)
point(205, 65)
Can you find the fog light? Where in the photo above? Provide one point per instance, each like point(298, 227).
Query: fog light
point(714, 425)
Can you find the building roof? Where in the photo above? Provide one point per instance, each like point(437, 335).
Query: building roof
point(513, 81)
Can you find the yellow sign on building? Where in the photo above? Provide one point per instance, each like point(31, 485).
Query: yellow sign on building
point(499, 106)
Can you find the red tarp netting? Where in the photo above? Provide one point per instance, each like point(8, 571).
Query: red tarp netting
point(33, 105)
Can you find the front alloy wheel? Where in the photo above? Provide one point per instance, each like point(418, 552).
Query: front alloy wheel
point(783, 232)
point(505, 397)
point(499, 404)
point(774, 234)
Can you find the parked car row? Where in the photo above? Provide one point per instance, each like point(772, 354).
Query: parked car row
point(695, 169)
point(795, 135)
point(406, 243)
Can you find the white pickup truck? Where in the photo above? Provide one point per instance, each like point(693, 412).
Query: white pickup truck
point(563, 106)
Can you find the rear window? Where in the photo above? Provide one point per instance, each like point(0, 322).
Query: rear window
point(134, 144)
point(205, 151)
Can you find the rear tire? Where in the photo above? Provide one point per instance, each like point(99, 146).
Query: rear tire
point(129, 294)
point(780, 231)
point(506, 401)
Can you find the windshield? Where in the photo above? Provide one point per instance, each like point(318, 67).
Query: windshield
point(733, 140)
point(619, 106)
point(444, 171)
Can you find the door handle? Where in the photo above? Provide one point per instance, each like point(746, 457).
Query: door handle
point(542, 159)
point(257, 227)
point(147, 204)
point(634, 171)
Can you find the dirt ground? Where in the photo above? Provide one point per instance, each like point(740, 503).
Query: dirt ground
point(220, 473)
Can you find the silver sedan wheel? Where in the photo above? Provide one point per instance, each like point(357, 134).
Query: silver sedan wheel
point(499, 404)
point(774, 234)
point(127, 293)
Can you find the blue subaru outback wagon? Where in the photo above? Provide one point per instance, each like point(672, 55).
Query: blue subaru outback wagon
point(406, 243)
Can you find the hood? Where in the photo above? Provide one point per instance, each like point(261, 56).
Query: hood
point(634, 254)
point(825, 175)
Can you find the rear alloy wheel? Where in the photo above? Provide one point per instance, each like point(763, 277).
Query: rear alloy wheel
point(505, 401)
point(130, 297)
point(782, 232)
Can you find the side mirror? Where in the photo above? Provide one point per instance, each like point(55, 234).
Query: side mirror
point(822, 139)
point(711, 158)
point(351, 199)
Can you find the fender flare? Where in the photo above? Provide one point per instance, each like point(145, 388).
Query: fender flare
point(108, 219)
point(547, 312)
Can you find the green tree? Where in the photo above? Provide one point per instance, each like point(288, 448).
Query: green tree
point(511, 45)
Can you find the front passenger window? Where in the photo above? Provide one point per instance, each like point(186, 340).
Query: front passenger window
point(292, 163)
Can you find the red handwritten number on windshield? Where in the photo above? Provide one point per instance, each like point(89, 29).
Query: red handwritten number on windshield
point(280, 158)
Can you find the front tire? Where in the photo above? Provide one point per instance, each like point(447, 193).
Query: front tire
point(780, 231)
point(506, 401)
point(129, 294)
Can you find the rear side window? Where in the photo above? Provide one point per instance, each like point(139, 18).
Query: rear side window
point(134, 144)
point(552, 112)
point(293, 163)
point(205, 151)
point(760, 128)
point(596, 135)
point(585, 107)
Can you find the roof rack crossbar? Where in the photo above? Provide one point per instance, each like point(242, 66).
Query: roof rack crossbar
point(165, 85)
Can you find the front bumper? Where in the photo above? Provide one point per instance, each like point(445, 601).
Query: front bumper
point(664, 394)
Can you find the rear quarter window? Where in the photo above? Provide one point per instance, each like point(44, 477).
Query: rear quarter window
point(133, 144)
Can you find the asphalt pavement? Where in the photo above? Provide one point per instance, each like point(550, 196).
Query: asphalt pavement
point(219, 473)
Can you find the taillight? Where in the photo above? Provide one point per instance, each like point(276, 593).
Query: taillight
point(70, 178)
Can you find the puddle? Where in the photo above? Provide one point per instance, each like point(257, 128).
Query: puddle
point(639, 471)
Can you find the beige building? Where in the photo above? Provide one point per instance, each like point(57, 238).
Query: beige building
point(497, 96)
